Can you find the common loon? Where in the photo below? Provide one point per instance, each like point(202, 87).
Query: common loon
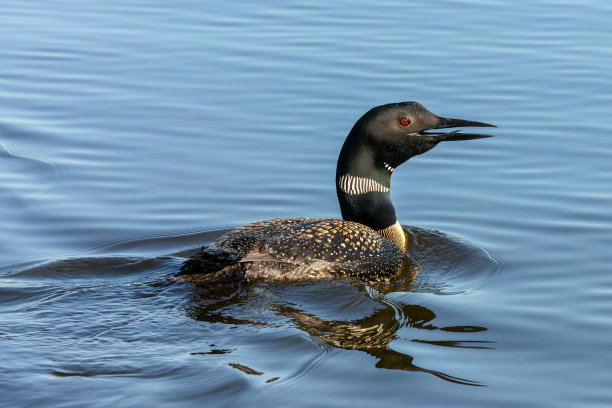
point(368, 243)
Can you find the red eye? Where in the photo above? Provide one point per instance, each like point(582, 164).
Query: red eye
point(404, 121)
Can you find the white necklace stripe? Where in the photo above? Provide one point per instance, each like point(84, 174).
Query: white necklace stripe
point(388, 167)
point(354, 185)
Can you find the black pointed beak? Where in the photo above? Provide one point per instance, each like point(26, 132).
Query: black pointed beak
point(445, 123)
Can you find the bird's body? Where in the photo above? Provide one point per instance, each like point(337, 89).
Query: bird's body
point(369, 243)
point(297, 249)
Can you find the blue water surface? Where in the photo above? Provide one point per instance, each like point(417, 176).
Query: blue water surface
point(133, 132)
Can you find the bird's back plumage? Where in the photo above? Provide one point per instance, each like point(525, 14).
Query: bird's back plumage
point(295, 249)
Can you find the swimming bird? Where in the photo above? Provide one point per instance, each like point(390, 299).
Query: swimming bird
point(368, 242)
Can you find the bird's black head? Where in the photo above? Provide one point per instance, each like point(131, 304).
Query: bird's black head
point(398, 131)
point(381, 140)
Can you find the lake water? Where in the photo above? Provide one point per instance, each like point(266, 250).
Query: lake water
point(131, 133)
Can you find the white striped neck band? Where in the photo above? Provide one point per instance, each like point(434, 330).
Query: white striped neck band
point(354, 185)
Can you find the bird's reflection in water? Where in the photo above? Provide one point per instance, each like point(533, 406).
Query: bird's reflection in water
point(371, 334)
point(363, 317)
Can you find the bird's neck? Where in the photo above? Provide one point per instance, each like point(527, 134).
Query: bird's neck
point(363, 185)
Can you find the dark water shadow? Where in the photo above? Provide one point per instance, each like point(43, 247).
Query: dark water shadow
point(89, 269)
point(450, 265)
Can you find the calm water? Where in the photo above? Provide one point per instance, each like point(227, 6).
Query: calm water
point(132, 133)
